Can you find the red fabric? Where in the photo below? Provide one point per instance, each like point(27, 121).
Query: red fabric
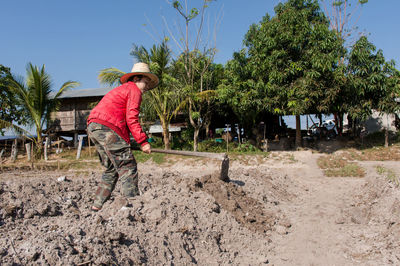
point(119, 110)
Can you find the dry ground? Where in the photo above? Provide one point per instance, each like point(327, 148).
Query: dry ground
point(278, 209)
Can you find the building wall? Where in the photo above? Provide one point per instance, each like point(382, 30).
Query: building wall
point(72, 114)
point(377, 122)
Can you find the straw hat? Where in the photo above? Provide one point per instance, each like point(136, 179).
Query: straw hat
point(141, 69)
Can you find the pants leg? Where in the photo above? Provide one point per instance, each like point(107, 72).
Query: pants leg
point(116, 156)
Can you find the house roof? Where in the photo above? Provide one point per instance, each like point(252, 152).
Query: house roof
point(159, 129)
point(85, 93)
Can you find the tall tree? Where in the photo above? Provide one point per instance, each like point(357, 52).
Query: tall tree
point(212, 79)
point(294, 56)
point(372, 83)
point(198, 94)
point(389, 104)
point(366, 79)
point(244, 93)
point(343, 16)
point(196, 59)
point(34, 96)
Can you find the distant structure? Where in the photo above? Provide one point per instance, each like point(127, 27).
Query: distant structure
point(70, 119)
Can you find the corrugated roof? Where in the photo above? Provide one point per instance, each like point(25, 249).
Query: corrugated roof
point(85, 93)
point(159, 129)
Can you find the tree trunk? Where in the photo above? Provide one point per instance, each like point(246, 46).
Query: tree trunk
point(196, 138)
point(320, 119)
point(165, 128)
point(197, 126)
point(298, 132)
point(341, 116)
point(337, 123)
point(386, 137)
point(239, 134)
point(39, 144)
point(207, 131)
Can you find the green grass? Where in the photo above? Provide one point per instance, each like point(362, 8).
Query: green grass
point(141, 157)
point(333, 165)
point(348, 170)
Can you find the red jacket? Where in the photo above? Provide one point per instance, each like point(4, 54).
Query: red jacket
point(119, 110)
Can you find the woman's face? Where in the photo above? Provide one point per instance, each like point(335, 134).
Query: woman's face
point(142, 83)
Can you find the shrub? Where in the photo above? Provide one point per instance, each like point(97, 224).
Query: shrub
point(245, 147)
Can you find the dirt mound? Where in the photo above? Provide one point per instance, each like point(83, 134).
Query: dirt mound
point(278, 209)
point(377, 206)
point(178, 219)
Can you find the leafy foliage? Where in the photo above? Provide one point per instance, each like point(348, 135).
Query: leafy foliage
point(165, 98)
point(372, 82)
point(9, 111)
point(110, 76)
point(289, 67)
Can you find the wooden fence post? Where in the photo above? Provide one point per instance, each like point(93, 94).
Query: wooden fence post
point(78, 155)
point(1, 158)
point(28, 151)
point(46, 145)
point(33, 154)
point(90, 152)
point(14, 151)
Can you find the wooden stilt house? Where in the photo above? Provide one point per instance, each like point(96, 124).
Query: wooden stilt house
point(70, 119)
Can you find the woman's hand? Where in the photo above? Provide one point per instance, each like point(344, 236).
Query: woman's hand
point(146, 148)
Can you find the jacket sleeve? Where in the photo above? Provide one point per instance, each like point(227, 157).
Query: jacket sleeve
point(132, 116)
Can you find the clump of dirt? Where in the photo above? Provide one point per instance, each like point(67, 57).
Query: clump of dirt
point(246, 210)
point(177, 219)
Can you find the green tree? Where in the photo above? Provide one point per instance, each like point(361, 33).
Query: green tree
point(198, 93)
point(389, 104)
point(343, 16)
point(366, 79)
point(10, 114)
point(165, 98)
point(195, 61)
point(34, 96)
point(372, 83)
point(242, 92)
point(212, 79)
point(294, 57)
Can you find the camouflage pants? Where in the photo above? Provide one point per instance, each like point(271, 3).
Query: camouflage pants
point(116, 156)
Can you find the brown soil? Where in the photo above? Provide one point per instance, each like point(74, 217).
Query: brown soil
point(277, 210)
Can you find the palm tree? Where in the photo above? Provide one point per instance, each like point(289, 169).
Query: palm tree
point(34, 95)
point(163, 99)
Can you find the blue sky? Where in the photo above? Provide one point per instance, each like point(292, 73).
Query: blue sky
point(75, 39)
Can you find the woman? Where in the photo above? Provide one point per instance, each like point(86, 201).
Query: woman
point(109, 125)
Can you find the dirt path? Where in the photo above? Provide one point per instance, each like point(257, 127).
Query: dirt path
point(319, 234)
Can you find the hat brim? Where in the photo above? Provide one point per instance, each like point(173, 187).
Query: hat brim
point(153, 78)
